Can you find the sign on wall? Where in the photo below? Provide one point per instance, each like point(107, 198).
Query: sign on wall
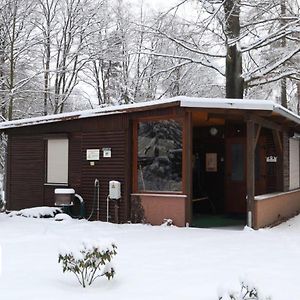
point(211, 162)
point(92, 154)
point(106, 152)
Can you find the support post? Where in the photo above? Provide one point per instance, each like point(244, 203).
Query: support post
point(279, 152)
point(187, 163)
point(250, 171)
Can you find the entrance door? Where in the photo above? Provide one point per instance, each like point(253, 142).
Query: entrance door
point(208, 170)
point(235, 181)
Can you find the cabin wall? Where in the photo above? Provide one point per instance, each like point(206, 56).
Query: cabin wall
point(272, 209)
point(27, 162)
point(158, 208)
point(26, 169)
point(286, 162)
point(105, 169)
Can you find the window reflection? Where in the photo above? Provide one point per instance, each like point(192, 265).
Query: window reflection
point(237, 157)
point(160, 156)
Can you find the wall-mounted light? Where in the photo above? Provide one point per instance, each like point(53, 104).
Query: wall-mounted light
point(213, 131)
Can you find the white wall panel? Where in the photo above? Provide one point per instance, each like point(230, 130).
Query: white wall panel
point(57, 160)
point(294, 163)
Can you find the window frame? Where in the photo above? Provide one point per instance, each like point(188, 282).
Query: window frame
point(181, 120)
point(46, 140)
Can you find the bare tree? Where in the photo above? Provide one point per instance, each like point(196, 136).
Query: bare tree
point(240, 32)
point(47, 24)
point(17, 34)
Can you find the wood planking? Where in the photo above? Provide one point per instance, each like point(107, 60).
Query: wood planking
point(104, 170)
point(75, 140)
point(27, 171)
point(27, 156)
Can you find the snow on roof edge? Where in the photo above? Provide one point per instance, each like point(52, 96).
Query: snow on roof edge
point(245, 104)
point(183, 101)
point(95, 112)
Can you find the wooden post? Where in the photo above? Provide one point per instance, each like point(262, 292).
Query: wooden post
point(279, 152)
point(250, 171)
point(187, 161)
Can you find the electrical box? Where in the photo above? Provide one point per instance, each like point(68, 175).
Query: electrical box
point(114, 190)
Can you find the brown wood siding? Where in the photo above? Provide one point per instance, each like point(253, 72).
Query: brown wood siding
point(26, 172)
point(95, 124)
point(75, 140)
point(27, 156)
point(286, 162)
point(104, 170)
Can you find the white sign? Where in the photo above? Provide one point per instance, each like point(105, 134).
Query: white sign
point(271, 159)
point(106, 152)
point(211, 162)
point(92, 154)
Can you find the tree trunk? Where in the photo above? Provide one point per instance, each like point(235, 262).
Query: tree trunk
point(47, 48)
point(46, 75)
point(298, 97)
point(2, 79)
point(12, 66)
point(234, 80)
point(283, 94)
point(283, 45)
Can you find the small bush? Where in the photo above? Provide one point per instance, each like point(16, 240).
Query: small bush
point(89, 262)
point(247, 292)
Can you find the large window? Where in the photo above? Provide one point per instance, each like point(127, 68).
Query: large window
point(160, 156)
point(57, 160)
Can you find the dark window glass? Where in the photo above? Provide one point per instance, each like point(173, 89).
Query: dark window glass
point(237, 157)
point(160, 156)
point(257, 163)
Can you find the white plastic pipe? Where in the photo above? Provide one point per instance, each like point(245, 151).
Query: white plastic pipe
point(97, 186)
point(107, 209)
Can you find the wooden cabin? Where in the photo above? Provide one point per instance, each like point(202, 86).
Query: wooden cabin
point(174, 159)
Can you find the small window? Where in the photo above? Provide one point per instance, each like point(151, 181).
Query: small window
point(237, 158)
point(257, 162)
point(57, 160)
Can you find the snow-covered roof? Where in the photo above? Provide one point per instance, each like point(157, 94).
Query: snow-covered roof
point(182, 101)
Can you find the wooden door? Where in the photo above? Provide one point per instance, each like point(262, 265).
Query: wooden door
point(235, 181)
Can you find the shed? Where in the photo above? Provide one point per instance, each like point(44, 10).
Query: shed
point(177, 159)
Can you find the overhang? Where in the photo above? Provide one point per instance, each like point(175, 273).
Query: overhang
point(186, 102)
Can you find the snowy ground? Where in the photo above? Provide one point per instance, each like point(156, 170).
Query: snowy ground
point(152, 262)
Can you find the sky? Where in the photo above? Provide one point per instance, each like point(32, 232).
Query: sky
point(155, 4)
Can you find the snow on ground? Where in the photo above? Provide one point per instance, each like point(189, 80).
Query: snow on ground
point(153, 262)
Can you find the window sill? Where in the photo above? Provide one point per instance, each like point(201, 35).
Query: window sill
point(159, 194)
point(56, 184)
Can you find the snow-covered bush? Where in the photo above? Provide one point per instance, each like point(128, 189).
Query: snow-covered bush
point(88, 262)
point(167, 222)
point(246, 292)
point(37, 212)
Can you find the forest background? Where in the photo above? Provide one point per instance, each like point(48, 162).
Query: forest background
point(64, 55)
